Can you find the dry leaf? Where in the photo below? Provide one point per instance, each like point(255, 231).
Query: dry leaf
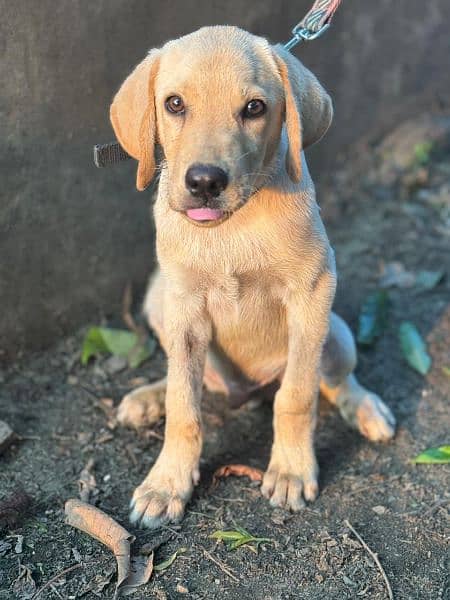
point(24, 586)
point(87, 484)
point(131, 571)
point(98, 583)
point(238, 471)
point(141, 568)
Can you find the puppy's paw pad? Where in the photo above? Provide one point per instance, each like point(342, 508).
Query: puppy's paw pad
point(142, 407)
point(288, 491)
point(151, 508)
point(374, 419)
point(162, 496)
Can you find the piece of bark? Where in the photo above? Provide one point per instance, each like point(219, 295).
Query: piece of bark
point(87, 484)
point(133, 571)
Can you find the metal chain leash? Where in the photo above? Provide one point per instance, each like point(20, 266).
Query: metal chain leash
point(315, 23)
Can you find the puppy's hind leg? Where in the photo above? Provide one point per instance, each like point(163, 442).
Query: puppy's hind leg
point(145, 405)
point(361, 408)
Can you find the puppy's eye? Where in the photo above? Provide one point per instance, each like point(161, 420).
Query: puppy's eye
point(175, 104)
point(255, 108)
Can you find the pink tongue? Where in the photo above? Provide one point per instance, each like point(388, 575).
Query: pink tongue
point(204, 214)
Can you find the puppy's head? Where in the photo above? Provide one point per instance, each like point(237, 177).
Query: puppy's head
point(216, 101)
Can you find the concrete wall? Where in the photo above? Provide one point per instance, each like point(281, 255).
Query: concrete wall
point(71, 236)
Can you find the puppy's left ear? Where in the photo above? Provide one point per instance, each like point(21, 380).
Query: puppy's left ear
point(133, 117)
point(309, 110)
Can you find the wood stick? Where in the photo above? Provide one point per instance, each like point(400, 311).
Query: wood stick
point(374, 556)
point(221, 565)
point(55, 578)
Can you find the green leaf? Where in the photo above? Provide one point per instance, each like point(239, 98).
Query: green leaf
point(427, 280)
point(422, 153)
point(446, 371)
point(414, 348)
point(165, 564)
point(141, 352)
point(372, 317)
point(101, 340)
point(434, 456)
point(226, 536)
point(235, 539)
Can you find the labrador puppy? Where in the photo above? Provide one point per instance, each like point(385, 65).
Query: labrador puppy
point(246, 279)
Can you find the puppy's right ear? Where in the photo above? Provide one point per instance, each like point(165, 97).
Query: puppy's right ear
point(133, 117)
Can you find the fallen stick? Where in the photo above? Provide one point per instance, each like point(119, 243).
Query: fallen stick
point(221, 565)
point(55, 578)
point(374, 555)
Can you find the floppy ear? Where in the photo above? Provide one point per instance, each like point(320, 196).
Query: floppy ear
point(133, 117)
point(309, 110)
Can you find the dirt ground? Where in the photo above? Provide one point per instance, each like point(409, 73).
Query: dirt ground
point(400, 510)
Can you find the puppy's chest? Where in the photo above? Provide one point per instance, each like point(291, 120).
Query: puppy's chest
point(236, 300)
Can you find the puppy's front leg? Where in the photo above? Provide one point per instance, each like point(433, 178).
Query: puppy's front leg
point(163, 494)
point(292, 472)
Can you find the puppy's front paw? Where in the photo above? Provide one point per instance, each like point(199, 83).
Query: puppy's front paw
point(162, 496)
point(286, 485)
point(143, 406)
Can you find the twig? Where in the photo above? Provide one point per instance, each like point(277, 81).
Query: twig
point(373, 485)
point(174, 531)
point(375, 558)
point(435, 506)
point(131, 454)
point(431, 509)
point(127, 317)
point(55, 591)
point(25, 438)
point(223, 567)
point(194, 512)
point(88, 392)
point(55, 578)
point(240, 500)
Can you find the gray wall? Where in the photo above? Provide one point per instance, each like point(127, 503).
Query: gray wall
point(71, 236)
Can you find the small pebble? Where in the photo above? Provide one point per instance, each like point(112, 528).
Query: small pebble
point(379, 510)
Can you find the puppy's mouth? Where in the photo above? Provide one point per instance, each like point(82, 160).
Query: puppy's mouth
point(205, 216)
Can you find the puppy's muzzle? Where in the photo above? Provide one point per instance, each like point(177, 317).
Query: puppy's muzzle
point(205, 181)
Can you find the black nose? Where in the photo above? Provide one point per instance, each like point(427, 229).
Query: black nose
point(206, 180)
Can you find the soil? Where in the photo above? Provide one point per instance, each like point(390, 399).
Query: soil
point(400, 510)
